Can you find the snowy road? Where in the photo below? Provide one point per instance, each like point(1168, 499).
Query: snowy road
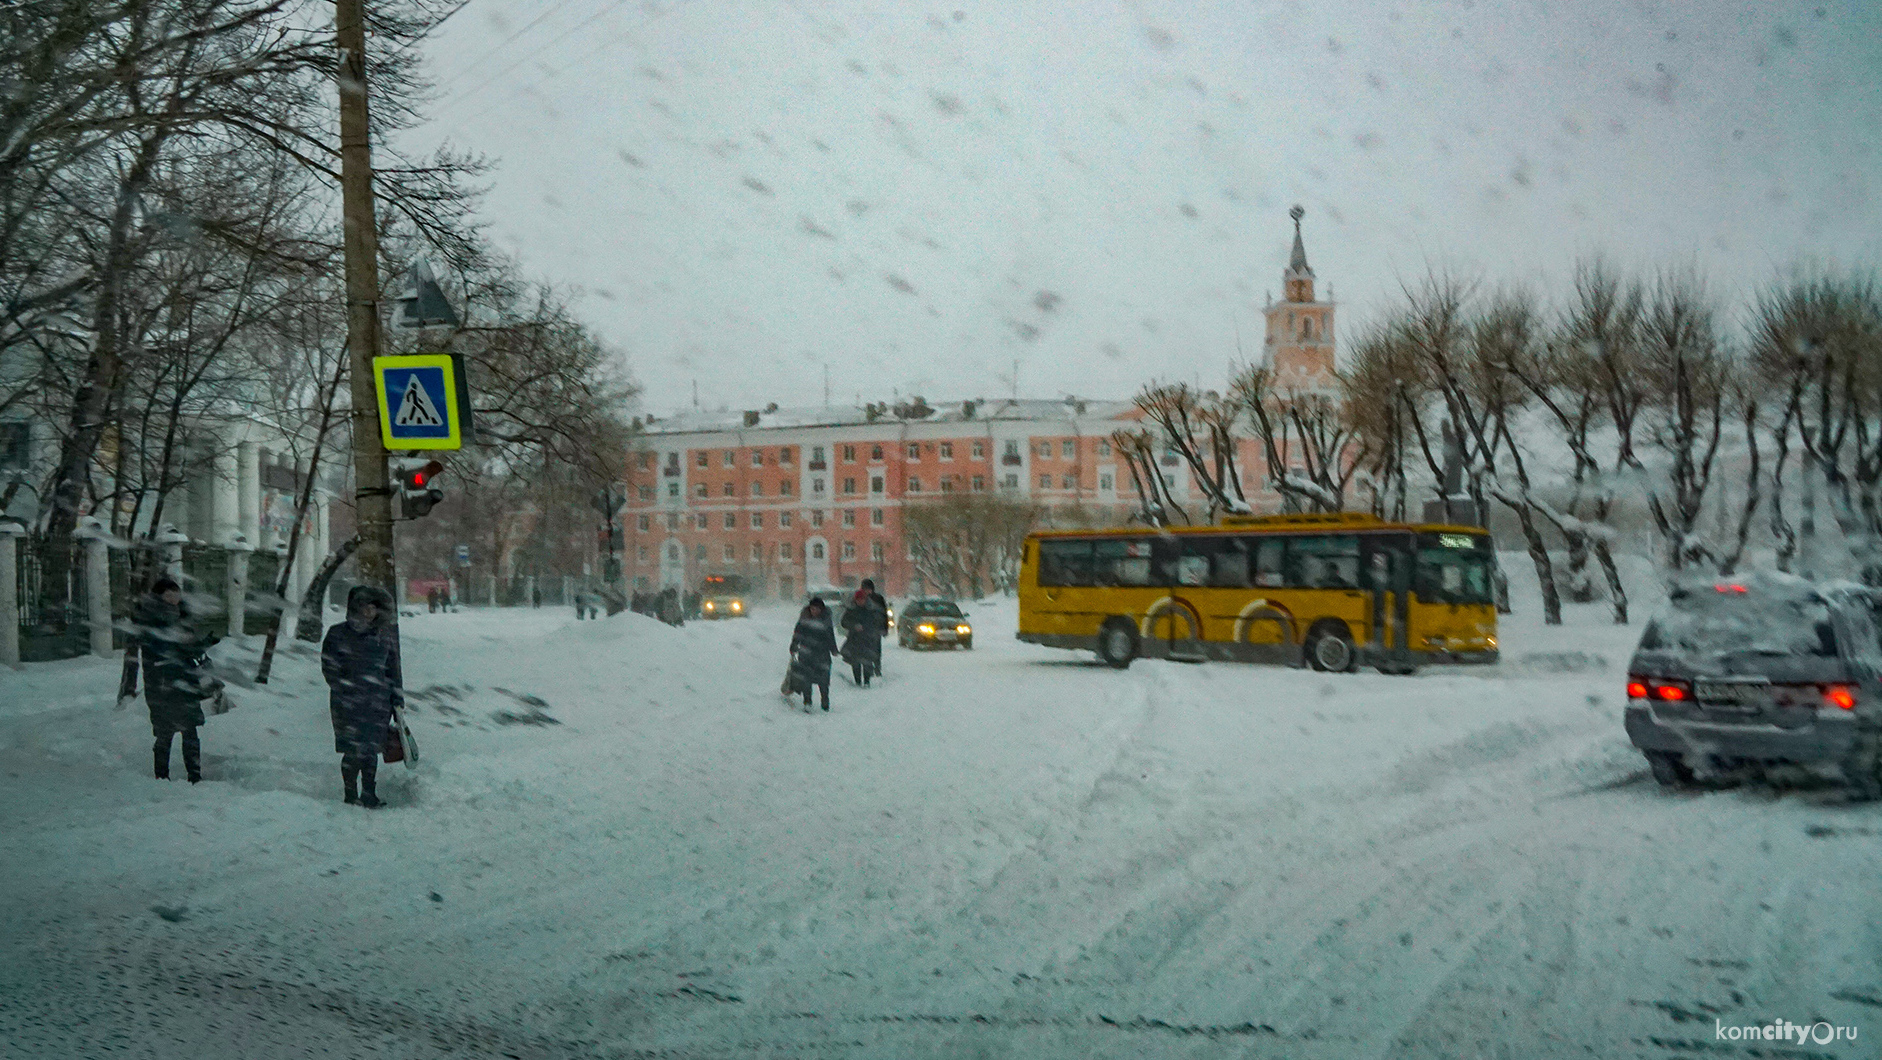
point(622, 843)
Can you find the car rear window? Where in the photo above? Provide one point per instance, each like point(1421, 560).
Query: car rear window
point(1713, 625)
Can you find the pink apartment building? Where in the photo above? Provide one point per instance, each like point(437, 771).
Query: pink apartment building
point(799, 499)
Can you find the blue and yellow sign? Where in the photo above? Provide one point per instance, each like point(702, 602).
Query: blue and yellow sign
point(424, 402)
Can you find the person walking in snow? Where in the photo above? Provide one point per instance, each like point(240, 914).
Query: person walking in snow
point(865, 621)
point(813, 642)
point(176, 675)
point(360, 660)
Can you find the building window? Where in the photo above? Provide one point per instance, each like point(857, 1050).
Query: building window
point(646, 493)
point(875, 483)
point(644, 523)
point(849, 454)
point(816, 550)
point(729, 554)
point(875, 551)
point(700, 459)
point(757, 458)
point(730, 521)
point(699, 553)
point(875, 453)
point(875, 517)
point(784, 455)
point(816, 518)
point(1068, 449)
point(1068, 482)
point(699, 521)
point(1011, 482)
point(849, 518)
point(784, 519)
point(673, 489)
point(914, 484)
point(914, 450)
point(1045, 482)
point(947, 484)
point(641, 553)
point(673, 552)
point(849, 550)
point(947, 450)
point(757, 552)
point(699, 489)
point(1104, 448)
point(757, 520)
point(646, 461)
point(1045, 450)
point(1010, 455)
point(673, 520)
point(980, 450)
point(726, 490)
point(849, 485)
point(816, 485)
point(1105, 481)
point(730, 457)
point(784, 488)
point(757, 489)
point(784, 551)
point(980, 483)
point(816, 458)
point(1169, 456)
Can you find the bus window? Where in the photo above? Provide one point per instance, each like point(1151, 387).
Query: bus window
point(1124, 563)
point(1064, 563)
point(1192, 570)
point(1228, 568)
point(1323, 562)
point(1269, 554)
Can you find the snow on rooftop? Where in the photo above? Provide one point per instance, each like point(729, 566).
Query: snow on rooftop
point(696, 421)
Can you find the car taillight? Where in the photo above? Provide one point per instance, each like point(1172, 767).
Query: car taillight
point(1669, 691)
point(1636, 690)
point(1840, 696)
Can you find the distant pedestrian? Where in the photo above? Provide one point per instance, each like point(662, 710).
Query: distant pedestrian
point(431, 600)
point(360, 660)
point(672, 607)
point(865, 621)
point(176, 675)
point(813, 642)
point(536, 595)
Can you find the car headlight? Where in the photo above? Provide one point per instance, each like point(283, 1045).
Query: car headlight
point(709, 605)
point(925, 630)
point(738, 605)
point(1489, 642)
point(963, 630)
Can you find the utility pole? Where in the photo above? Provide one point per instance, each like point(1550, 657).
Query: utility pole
point(373, 495)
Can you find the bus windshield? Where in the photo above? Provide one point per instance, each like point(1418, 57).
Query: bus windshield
point(724, 585)
point(1453, 576)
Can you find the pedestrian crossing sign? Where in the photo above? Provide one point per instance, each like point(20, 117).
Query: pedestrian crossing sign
point(423, 401)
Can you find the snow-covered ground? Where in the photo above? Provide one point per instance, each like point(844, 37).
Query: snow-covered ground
point(622, 843)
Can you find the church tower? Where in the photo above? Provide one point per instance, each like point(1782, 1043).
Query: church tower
point(1299, 347)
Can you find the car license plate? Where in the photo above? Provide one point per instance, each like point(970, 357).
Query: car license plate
point(1740, 695)
point(946, 634)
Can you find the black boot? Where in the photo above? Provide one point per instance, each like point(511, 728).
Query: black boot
point(368, 787)
point(162, 756)
point(349, 774)
point(192, 755)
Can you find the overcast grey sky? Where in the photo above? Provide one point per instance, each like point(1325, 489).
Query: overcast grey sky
point(917, 195)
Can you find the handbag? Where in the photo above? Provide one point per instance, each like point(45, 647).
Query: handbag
point(394, 749)
point(400, 746)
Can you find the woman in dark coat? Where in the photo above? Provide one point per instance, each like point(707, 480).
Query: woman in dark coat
point(360, 659)
point(812, 644)
point(865, 620)
point(176, 678)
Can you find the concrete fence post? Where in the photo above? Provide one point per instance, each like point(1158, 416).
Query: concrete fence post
point(172, 540)
point(10, 534)
point(97, 583)
point(493, 590)
point(239, 548)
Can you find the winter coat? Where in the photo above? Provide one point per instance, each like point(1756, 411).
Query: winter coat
point(362, 672)
point(175, 663)
point(865, 621)
point(812, 644)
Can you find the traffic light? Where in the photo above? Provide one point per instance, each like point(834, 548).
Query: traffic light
point(417, 490)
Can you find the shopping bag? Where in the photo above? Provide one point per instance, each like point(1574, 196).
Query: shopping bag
point(394, 749)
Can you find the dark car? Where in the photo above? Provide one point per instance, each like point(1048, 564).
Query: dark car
point(1764, 670)
point(934, 623)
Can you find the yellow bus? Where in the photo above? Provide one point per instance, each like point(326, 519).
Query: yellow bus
point(1329, 591)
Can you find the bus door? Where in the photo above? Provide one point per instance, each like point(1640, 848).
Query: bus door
point(1388, 565)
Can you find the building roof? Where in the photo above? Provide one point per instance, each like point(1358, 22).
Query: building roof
point(1001, 410)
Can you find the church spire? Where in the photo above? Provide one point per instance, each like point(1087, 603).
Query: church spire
point(1298, 279)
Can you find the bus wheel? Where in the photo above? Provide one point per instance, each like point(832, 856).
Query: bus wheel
point(1330, 647)
point(1117, 643)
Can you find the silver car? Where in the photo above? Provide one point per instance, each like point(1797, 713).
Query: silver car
point(1764, 669)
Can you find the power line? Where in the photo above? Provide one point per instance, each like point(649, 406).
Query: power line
point(533, 52)
point(592, 52)
point(502, 44)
